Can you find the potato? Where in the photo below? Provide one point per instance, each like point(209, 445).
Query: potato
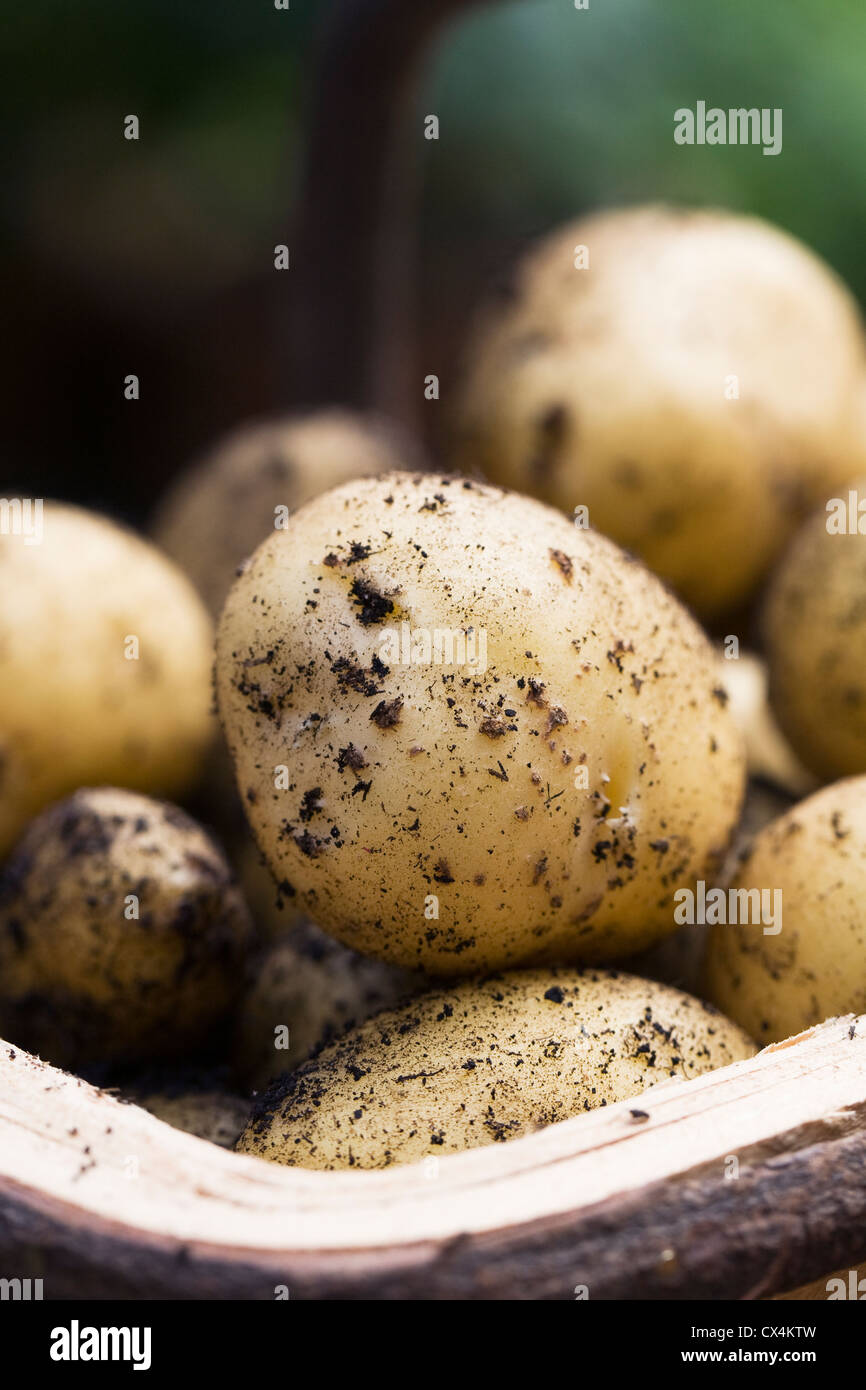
point(679, 959)
point(776, 982)
point(763, 804)
point(273, 909)
point(769, 757)
point(122, 931)
point(538, 804)
point(481, 1062)
point(107, 655)
point(210, 1113)
point(814, 625)
point(695, 387)
point(222, 507)
point(306, 989)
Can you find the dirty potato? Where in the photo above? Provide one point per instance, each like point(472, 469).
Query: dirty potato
point(306, 989)
point(209, 1112)
point(487, 1061)
point(221, 508)
point(468, 734)
point(107, 653)
point(797, 951)
point(691, 377)
point(122, 931)
point(814, 625)
point(770, 760)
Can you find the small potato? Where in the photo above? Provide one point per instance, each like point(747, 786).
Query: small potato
point(122, 931)
point(486, 1061)
point(307, 989)
point(678, 959)
point(763, 804)
point(692, 377)
point(539, 802)
point(273, 909)
point(769, 757)
point(777, 982)
point(814, 625)
point(222, 508)
point(107, 655)
point(209, 1113)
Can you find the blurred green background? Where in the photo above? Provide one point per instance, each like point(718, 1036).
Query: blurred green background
point(155, 257)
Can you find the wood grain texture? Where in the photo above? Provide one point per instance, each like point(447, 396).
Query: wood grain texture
point(819, 1292)
point(101, 1199)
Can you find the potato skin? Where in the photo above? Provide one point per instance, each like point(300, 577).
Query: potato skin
point(274, 910)
point(79, 981)
point(222, 507)
point(678, 960)
point(606, 387)
point(485, 1061)
point(215, 1115)
point(417, 787)
point(770, 760)
point(815, 967)
point(814, 624)
point(73, 709)
point(316, 988)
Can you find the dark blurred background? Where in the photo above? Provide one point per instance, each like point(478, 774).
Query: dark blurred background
point(156, 257)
